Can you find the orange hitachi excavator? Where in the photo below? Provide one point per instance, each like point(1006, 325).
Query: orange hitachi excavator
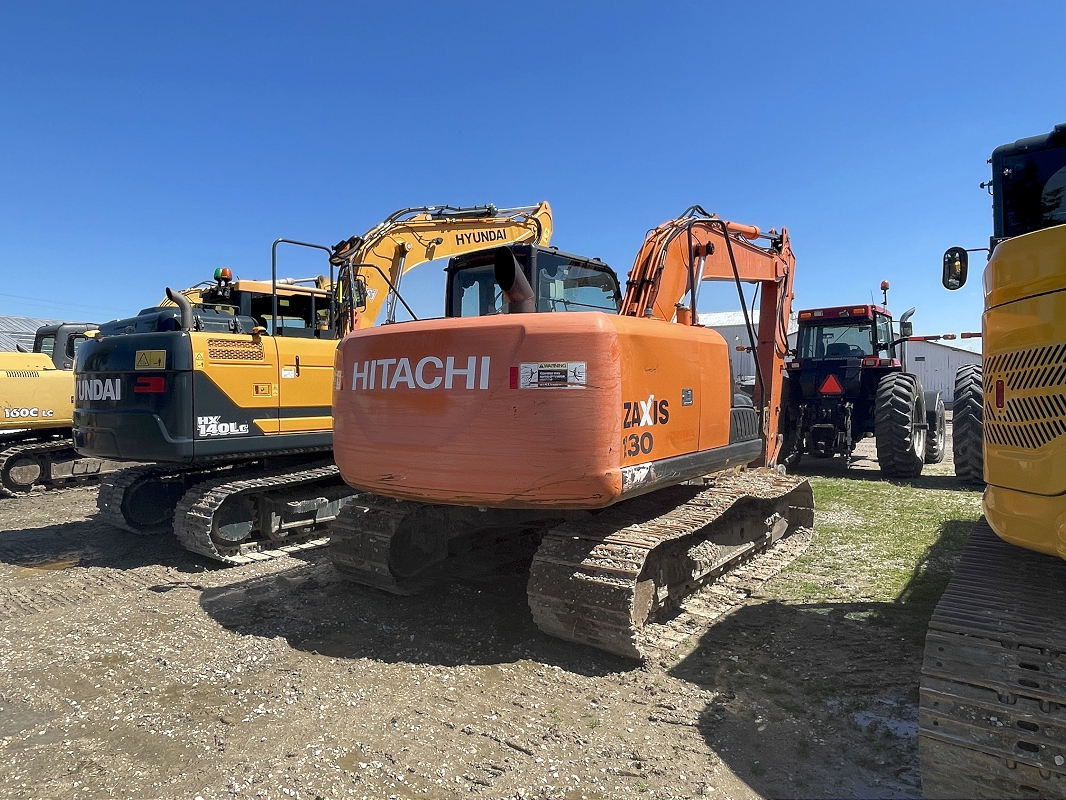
point(581, 439)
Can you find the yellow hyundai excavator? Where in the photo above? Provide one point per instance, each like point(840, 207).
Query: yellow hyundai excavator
point(37, 398)
point(227, 388)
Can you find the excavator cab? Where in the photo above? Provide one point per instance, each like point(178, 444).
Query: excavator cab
point(558, 281)
point(61, 342)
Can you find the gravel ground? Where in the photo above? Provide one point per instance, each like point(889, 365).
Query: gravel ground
point(131, 668)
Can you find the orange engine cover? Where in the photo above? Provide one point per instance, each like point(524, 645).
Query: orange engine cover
point(524, 410)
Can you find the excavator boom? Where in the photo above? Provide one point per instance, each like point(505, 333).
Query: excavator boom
point(697, 246)
point(412, 236)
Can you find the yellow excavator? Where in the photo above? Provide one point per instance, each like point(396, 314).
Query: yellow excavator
point(227, 388)
point(37, 399)
point(992, 714)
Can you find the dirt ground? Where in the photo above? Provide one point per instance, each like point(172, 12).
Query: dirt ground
point(132, 668)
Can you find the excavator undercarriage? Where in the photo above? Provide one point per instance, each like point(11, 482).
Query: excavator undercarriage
point(991, 714)
point(47, 459)
point(596, 578)
point(234, 514)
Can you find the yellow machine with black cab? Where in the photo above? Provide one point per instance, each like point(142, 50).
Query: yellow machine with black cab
point(37, 400)
point(992, 720)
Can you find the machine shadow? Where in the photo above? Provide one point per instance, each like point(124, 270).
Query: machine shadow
point(472, 621)
point(90, 543)
point(94, 543)
point(821, 699)
point(835, 468)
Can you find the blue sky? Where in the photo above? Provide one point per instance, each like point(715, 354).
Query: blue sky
point(143, 145)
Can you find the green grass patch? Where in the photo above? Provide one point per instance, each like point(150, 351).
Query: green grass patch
point(879, 542)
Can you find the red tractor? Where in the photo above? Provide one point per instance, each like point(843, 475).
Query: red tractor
point(848, 380)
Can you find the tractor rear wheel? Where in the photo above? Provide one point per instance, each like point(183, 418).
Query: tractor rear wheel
point(966, 420)
point(900, 425)
point(936, 436)
point(791, 440)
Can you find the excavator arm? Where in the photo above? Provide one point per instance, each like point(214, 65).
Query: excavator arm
point(678, 255)
point(413, 236)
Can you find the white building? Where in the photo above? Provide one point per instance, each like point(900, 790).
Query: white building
point(934, 363)
point(731, 325)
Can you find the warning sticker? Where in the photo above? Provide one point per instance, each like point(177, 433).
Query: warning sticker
point(549, 375)
point(150, 359)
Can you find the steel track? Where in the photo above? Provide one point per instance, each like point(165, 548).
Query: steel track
point(598, 582)
point(992, 709)
point(55, 451)
point(196, 513)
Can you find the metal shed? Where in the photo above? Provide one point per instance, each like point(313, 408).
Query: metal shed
point(731, 325)
point(935, 364)
point(20, 330)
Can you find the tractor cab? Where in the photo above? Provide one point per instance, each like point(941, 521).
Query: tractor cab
point(841, 350)
point(837, 378)
point(304, 309)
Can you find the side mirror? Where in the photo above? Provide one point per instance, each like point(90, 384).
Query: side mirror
point(906, 329)
point(955, 264)
point(359, 293)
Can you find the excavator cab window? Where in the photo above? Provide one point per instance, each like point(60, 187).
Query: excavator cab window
point(562, 282)
point(45, 344)
point(302, 315)
point(476, 294)
point(472, 290)
point(1034, 191)
point(74, 343)
point(568, 284)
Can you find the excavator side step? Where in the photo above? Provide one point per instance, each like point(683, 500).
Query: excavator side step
point(992, 707)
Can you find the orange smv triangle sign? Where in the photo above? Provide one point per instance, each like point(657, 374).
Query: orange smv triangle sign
point(831, 385)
